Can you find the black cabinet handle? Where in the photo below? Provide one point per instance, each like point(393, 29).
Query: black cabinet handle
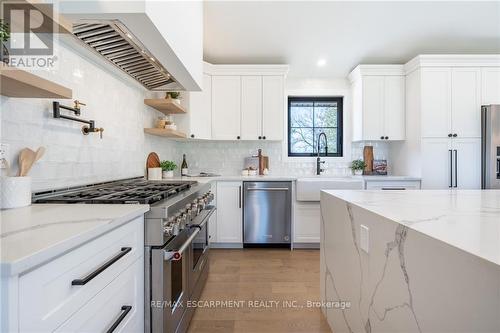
point(456, 168)
point(85, 280)
point(125, 310)
point(451, 167)
point(239, 197)
point(387, 138)
point(238, 137)
point(260, 137)
point(192, 135)
point(264, 137)
point(450, 135)
point(455, 135)
point(381, 138)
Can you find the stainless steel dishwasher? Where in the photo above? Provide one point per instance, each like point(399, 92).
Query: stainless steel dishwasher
point(267, 211)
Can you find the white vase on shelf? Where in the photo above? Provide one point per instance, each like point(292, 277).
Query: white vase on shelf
point(168, 174)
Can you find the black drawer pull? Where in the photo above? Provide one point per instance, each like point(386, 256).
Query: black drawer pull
point(126, 309)
point(81, 282)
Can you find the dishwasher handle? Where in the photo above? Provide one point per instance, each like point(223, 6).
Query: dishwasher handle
point(267, 189)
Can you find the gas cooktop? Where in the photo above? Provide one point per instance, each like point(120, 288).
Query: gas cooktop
point(129, 191)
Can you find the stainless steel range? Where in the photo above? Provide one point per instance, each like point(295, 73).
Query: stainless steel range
point(175, 238)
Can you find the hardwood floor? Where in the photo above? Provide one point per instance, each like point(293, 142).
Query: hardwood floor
point(269, 289)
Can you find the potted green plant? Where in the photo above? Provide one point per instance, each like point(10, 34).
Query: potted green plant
point(168, 168)
point(174, 96)
point(4, 38)
point(357, 167)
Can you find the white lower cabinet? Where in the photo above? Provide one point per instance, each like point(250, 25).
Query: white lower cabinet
point(451, 163)
point(120, 305)
point(468, 163)
point(307, 219)
point(229, 212)
point(66, 287)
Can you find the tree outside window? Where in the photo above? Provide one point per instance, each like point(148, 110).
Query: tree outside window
point(307, 118)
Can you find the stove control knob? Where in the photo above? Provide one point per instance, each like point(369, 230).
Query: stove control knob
point(201, 204)
point(185, 219)
point(189, 213)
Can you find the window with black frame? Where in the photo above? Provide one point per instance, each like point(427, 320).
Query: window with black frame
point(310, 116)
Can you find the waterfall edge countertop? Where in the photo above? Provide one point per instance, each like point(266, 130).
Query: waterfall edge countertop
point(38, 233)
point(466, 219)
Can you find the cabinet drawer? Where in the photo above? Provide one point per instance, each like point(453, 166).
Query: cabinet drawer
point(120, 305)
point(47, 296)
point(393, 185)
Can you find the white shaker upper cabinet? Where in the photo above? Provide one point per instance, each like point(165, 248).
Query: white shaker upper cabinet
point(226, 107)
point(196, 123)
point(373, 108)
point(466, 102)
point(436, 102)
point(378, 102)
point(490, 85)
point(273, 107)
point(451, 102)
point(394, 107)
point(251, 107)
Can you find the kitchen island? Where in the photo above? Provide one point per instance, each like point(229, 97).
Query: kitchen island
point(411, 261)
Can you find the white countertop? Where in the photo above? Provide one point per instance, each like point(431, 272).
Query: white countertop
point(293, 178)
point(466, 219)
point(35, 234)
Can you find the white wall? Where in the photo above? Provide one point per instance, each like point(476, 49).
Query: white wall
point(114, 102)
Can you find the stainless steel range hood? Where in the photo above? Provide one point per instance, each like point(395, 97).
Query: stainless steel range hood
point(113, 41)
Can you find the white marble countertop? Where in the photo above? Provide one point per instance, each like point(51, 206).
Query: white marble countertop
point(35, 234)
point(293, 178)
point(390, 178)
point(466, 219)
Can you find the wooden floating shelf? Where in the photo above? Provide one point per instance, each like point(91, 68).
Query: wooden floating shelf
point(15, 82)
point(165, 105)
point(168, 133)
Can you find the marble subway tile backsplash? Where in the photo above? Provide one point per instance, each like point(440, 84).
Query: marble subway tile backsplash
point(227, 158)
point(72, 158)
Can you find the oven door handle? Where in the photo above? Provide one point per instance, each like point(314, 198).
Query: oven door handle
point(177, 254)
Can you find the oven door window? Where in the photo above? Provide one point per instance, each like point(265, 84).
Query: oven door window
point(200, 244)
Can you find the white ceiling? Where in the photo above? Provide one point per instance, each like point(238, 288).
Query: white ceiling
point(345, 33)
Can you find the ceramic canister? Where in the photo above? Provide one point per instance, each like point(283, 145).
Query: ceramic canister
point(16, 192)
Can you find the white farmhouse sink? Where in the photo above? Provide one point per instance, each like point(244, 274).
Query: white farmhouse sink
point(308, 189)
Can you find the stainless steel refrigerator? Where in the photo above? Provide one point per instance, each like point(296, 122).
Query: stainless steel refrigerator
point(490, 150)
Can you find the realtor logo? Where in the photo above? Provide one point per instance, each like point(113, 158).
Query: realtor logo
point(31, 34)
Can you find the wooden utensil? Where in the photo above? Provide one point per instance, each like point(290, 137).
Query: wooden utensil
point(39, 153)
point(26, 160)
point(153, 161)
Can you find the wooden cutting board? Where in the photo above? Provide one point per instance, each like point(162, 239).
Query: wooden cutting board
point(153, 161)
point(368, 158)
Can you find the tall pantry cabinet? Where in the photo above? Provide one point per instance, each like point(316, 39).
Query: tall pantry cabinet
point(444, 98)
